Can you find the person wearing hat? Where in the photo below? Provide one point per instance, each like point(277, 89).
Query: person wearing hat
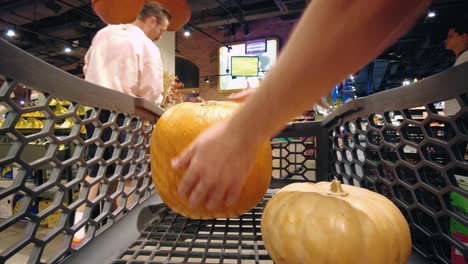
point(123, 57)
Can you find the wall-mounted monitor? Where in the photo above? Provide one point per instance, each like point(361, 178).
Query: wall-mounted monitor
point(251, 73)
point(244, 66)
point(256, 46)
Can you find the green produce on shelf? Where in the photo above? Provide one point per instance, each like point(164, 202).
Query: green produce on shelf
point(60, 110)
point(22, 123)
point(34, 114)
point(55, 102)
point(81, 111)
point(67, 124)
point(32, 122)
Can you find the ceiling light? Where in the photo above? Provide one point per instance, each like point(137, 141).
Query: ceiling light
point(207, 80)
point(187, 31)
point(431, 14)
point(67, 49)
point(10, 33)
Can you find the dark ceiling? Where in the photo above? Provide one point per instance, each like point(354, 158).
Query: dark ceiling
point(45, 27)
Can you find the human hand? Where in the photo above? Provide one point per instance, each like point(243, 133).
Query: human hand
point(217, 164)
point(241, 96)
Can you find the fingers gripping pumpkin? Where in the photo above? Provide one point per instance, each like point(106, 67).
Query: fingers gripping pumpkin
point(174, 132)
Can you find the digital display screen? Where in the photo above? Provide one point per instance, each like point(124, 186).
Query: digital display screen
point(244, 66)
point(257, 46)
point(232, 75)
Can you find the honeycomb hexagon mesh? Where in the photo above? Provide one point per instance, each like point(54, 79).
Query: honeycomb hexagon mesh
point(49, 147)
point(418, 158)
point(294, 158)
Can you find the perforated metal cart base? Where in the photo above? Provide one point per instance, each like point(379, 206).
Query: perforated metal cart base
point(168, 238)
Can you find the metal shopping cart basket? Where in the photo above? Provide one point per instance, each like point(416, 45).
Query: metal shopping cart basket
point(400, 143)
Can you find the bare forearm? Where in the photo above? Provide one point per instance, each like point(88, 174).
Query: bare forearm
point(333, 39)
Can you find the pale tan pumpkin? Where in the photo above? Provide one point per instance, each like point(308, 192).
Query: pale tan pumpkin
point(333, 223)
point(174, 132)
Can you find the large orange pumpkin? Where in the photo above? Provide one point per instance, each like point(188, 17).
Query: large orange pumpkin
point(174, 132)
point(333, 223)
point(126, 11)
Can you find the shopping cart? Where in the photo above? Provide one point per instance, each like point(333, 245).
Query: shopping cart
point(399, 143)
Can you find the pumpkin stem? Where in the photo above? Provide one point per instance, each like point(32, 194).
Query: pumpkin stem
point(336, 189)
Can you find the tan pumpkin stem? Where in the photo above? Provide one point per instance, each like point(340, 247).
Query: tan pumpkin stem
point(336, 189)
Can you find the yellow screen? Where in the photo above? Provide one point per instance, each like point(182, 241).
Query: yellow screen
point(244, 66)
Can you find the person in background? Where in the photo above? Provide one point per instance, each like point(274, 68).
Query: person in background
point(457, 42)
point(124, 58)
point(349, 32)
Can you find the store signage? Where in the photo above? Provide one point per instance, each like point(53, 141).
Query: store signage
point(256, 46)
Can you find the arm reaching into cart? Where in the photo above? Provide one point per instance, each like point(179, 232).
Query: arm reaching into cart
point(241, 96)
point(332, 39)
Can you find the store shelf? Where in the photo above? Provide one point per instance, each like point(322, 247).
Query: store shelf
point(50, 193)
point(5, 183)
point(56, 131)
point(33, 152)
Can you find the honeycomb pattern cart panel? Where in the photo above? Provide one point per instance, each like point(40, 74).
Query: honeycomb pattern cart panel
point(411, 145)
point(50, 143)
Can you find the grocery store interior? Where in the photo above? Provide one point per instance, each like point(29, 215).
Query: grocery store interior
point(221, 48)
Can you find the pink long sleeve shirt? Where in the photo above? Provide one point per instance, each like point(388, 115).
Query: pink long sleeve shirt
point(123, 58)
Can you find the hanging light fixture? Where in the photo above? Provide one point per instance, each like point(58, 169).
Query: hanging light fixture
point(10, 32)
point(431, 14)
point(187, 32)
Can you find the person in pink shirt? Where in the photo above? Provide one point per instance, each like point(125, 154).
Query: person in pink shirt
point(124, 58)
